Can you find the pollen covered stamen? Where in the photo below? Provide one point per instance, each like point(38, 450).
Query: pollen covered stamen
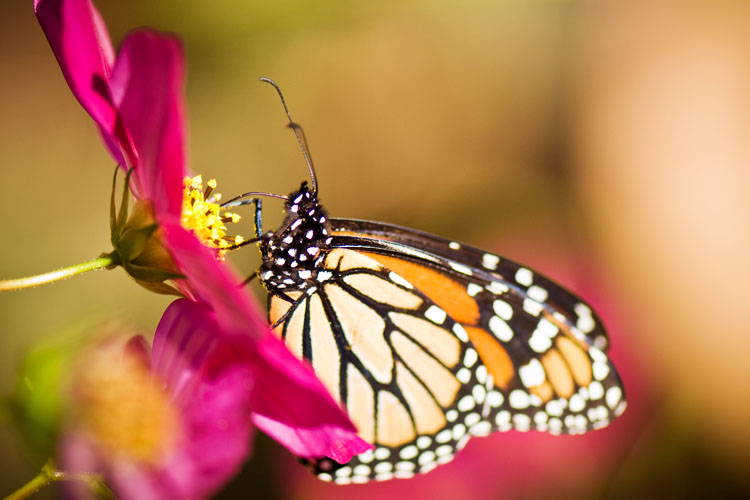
point(204, 216)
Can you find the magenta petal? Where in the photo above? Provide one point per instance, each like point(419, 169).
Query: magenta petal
point(213, 394)
point(147, 87)
point(291, 405)
point(185, 337)
point(213, 282)
point(220, 430)
point(79, 39)
point(289, 401)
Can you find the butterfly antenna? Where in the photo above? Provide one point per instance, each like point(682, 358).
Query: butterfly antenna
point(299, 134)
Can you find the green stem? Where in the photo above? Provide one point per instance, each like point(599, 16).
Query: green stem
point(47, 476)
point(106, 260)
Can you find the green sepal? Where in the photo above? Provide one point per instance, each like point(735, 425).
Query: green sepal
point(149, 274)
point(138, 247)
point(122, 216)
point(134, 241)
point(112, 207)
point(162, 288)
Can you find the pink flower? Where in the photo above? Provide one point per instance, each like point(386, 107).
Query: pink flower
point(173, 425)
point(289, 402)
point(177, 424)
point(136, 100)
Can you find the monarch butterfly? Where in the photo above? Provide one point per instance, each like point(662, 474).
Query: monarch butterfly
point(427, 341)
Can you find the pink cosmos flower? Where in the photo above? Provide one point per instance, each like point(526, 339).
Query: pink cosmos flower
point(136, 100)
point(173, 425)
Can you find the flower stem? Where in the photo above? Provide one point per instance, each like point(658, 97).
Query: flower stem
point(105, 260)
point(47, 476)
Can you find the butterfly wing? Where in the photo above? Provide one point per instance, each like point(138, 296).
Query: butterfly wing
point(403, 368)
point(492, 267)
point(425, 348)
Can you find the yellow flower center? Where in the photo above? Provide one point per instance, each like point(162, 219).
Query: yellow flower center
point(123, 407)
point(204, 216)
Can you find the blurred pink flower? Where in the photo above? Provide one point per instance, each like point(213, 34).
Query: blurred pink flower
point(136, 99)
point(177, 424)
point(173, 425)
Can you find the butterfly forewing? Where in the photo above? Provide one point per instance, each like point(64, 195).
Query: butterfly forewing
point(536, 286)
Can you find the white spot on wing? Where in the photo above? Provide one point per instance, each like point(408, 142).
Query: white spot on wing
point(501, 329)
point(460, 333)
point(408, 452)
point(464, 375)
point(490, 261)
point(460, 268)
point(519, 399)
point(502, 309)
point(524, 277)
point(470, 357)
point(596, 391)
point(532, 374)
point(614, 394)
point(532, 307)
point(435, 314)
point(600, 370)
point(399, 280)
point(537, 293)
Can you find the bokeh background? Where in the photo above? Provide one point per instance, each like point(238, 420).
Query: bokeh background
point(606, 144)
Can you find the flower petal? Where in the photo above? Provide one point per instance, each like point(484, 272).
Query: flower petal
point(289, 401)
point(184, 339)
point(213, 282)
point(291, 405)
point(147, 88)
point(213, 397)
point(219, 433)
point(81, 44)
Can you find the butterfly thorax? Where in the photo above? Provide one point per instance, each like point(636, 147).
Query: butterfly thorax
point(293, 254)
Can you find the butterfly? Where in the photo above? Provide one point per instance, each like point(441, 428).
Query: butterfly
point(427, 341)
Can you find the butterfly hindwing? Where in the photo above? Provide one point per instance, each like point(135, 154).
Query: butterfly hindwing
point(404, 368)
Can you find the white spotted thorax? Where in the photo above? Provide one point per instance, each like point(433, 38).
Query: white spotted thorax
point(294, 253)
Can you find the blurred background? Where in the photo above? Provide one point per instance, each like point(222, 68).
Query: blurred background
point(606, 144)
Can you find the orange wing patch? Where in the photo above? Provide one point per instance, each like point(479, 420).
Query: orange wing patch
point(558, 373)
point(443, 291)
point(543, 391)
point(578, 360)
point(493, 356)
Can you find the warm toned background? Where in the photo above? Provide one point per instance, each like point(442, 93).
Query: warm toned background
point(605, 143)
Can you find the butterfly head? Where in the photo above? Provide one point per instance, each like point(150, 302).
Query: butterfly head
point(294, 253)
